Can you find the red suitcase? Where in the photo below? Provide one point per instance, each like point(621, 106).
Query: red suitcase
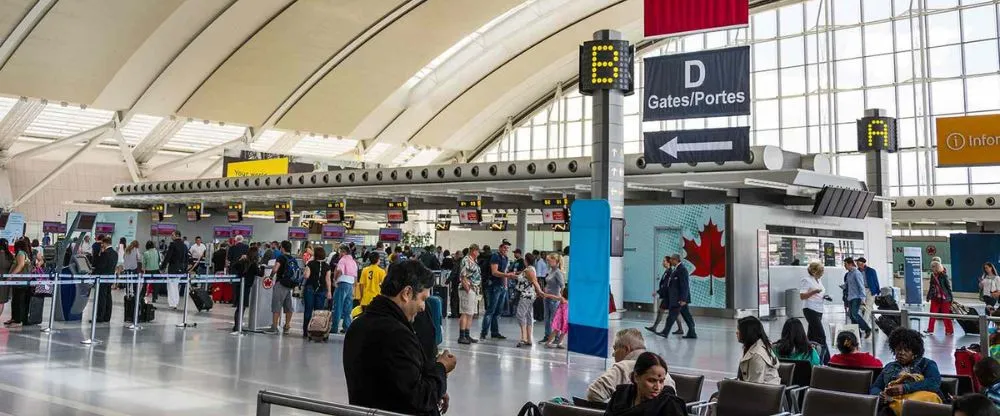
point(222, 292)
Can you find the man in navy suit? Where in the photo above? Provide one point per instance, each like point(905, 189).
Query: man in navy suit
point(678, 297)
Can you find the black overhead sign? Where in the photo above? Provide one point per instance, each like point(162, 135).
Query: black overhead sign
point(707, 145)
point(700, 84)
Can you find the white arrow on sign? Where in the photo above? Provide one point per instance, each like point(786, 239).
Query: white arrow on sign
point(672, 147)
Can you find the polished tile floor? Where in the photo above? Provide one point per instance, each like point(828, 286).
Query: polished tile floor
point(165, 370)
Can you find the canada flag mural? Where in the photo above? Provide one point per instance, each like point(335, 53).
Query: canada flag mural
point(708, 256)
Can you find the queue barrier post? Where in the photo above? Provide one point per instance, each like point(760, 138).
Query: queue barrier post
point(239, 308)
point(52, 311)
point(93, 315)
point(184, 323)
point(135, 311)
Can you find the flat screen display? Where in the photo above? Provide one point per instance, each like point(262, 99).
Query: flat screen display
point(390, 235)
point(222, 231)
point(281, 216)
point(470, 216)
point(239, 229)
point(234, 216)
point(53, 227)
point(164, 229)
point(156, 216)
point(334, 215)
point(84, 222)
point(193, 216)
point(554, 215)
point(298, 233)
point(395, 216)
point(104, 228)
point(334, 232)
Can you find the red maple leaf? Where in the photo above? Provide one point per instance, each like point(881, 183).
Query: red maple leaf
point(708, 258)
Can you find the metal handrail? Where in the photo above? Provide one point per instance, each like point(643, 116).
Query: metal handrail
point(905, 315)
point(265, 399)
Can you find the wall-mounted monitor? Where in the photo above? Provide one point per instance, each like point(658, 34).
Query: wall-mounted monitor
point(194, 216)
point(334, 232)
point(240, 229)
point(469, 216)
point(163, 229)
point(53, 227)
point(104, 228)
point(234, 216)
point(390, 235)
point(555, 215)
point(617, 237)
point(84, 221)
point(222, 231)
point(156, 216)
point(395, 216)
point(281, 216)
point(334, 215)
point(298, 233)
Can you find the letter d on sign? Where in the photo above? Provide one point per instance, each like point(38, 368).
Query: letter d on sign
point(688, 66)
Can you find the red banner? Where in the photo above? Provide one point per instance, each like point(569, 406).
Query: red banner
point(671, 17)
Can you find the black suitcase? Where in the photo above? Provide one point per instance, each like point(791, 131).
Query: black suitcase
point(538, 309)
point(202, 299)
point(887, 324)
point(36, 308)
point(970, 327)
point(147, 312)
point(442, 293)
point(886, 303)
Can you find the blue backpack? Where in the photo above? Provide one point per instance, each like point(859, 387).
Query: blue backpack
point(292, 272)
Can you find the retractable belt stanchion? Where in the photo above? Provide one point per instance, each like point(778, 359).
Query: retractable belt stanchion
point(239, 308)
point(52, 311)
point(135, 312)
point(93, 315)
point(184, 323)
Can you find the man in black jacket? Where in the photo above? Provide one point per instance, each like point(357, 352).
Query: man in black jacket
point(107, 260)
point(678, 297)
point(238, 260)
point(384, 363)
point(175, 261)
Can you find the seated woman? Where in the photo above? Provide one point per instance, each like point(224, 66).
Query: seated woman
point(849, 355)
point(987, 371)
point(758, 364)
point(648, 395)
point(794, 345)
point(911, 377)
point(973, 405)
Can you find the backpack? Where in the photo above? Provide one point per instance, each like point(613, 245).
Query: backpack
point(292, 273)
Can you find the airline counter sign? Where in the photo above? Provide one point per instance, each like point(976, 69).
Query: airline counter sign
point(968, 141)
point(700, 84)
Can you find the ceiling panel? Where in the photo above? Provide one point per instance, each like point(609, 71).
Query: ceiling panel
point(198, 135)
point(323, 147)
point(11, 12)
point(79, 46)
point(58, 121)
point(249, 86)
point(484, 107)
point(366, 78)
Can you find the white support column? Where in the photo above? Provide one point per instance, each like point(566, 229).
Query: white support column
point(18, 119)
point(58, 170)
point(285, 143)
point(133, 167)
point(159, 136)
point(211, 151)
point(58, 144)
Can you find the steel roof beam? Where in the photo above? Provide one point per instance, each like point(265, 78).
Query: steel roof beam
point(58, 144)
point(211, 151)
point(157, 138)
point(58, 170)
point(18, 119)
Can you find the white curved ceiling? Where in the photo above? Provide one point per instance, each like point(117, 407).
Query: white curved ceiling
point(401, 81)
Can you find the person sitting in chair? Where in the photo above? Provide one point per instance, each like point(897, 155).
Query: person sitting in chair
point(647, 394)
point(911, 377)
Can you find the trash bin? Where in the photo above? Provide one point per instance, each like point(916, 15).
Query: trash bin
point(793, 304)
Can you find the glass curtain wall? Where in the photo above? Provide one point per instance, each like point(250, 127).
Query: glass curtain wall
point(816, 66)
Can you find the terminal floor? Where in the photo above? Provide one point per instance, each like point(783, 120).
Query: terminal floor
point(165, 370)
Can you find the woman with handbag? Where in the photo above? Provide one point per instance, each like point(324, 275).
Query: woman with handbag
point(20, 295)
point(940, 297)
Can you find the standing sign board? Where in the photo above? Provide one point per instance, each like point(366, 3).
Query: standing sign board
point(763, 275)
point(674, 17)
point(711, 83)
point(912, 264)
point(706, 145)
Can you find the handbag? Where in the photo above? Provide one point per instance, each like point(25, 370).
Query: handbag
point(530, 409)
point(42, 290)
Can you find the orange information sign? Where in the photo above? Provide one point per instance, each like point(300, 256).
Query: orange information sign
point(968, 141)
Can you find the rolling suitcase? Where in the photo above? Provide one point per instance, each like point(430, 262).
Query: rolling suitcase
point(442, 293)
point(35, 310)
point(147, 312)
point(202, 300)
point(319, 325)
point(538, 309)
point(970, 327)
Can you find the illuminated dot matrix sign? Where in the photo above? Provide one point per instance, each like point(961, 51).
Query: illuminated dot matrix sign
point(606, 65)
point(877, 133)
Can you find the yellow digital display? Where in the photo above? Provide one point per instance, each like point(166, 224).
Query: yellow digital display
point(555, 202)
point(606, 64)
point(877, 133)
point(470, 204)
point(283, 205)
point(236, 206)
point(396, 204)
point(337, 204)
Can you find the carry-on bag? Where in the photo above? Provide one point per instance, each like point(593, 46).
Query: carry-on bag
point(202, 300)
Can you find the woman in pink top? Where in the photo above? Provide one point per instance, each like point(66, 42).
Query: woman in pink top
point(560, 322)
point(343, 298)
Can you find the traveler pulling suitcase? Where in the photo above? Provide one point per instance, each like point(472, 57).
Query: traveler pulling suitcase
point(319, 325)
point(970, 327)
point(202, 300)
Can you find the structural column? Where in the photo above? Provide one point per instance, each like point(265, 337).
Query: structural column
point(522, 230)
point(607, 164)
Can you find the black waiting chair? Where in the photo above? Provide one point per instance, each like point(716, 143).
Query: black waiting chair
point(949, 386)
point(802, 374)
point(688, 387)
point(552, 409)
point(740, 398)
point(841, 380)
point(874, 370)
point(785, 371)
point(581, 402)
point(915, 408)
point(820, 402)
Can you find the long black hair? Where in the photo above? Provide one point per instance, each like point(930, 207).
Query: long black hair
point(5, 247)
point(648, 360)
point(751, 331)
point(847, 342)
point(793, 339)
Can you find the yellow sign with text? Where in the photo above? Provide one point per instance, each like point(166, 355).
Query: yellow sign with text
point(278, 166)
point(968, 141)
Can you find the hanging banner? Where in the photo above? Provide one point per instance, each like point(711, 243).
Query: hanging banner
point(912, 264)
point(673, 17)
point(700, 84)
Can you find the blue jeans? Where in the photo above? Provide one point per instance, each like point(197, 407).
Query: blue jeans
point(343, 302)
point(550, 312)
point(853, 310)
point(312, 299)
point(491, 319)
